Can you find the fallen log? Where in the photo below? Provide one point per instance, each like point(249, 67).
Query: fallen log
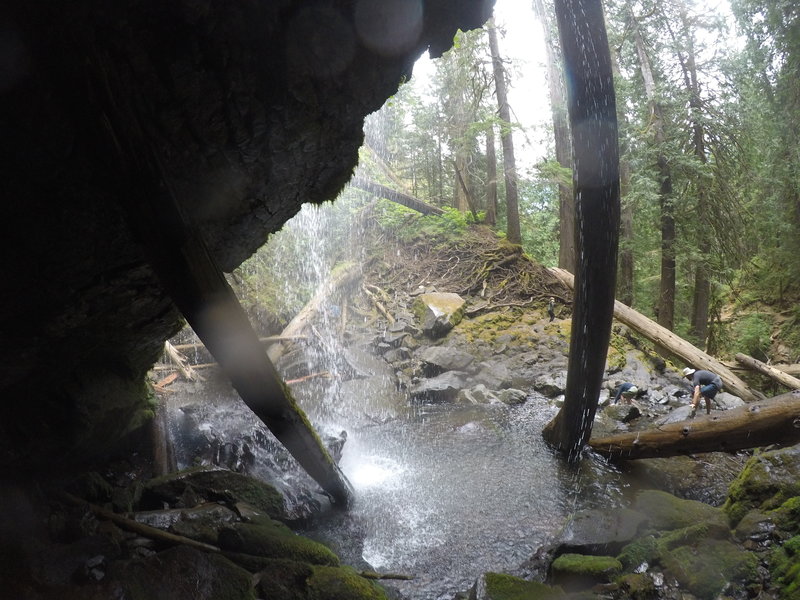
point(786, 380)
point(298, 326)
point(270, 339)
point(773, 421)
point(382, 191)
point(670, 344)
point(147, 531)
point(180, 362)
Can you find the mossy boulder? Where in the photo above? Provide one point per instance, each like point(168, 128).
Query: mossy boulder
point(499, 586)
point(644, 550)
point(271, 539)
point(342, 583)
point(707, 566)
point(438, 312)
point(666, 512)
point(600, 531)
point(211, 484)
point(767, 481)
point(179, 573)
point(637, 586)
point(284, 579)
point(580, 571)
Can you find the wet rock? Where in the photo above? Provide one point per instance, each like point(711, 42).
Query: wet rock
point(767, 481)
point(575, 572)
point(512, 396)
point(495, 375)
point(551, 385)
point(599, 531)
point(216, 485)
point(497, 586)
point(442, 388)
point(271, 539)
point(623, 412)
point(180, 573)
point(479, 394)
point(667, 512)
point(438, 359)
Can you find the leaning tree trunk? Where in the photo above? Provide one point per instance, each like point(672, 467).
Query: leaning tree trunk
point(775, 374)
point(513, 233)
point(773, 421)
point(593, 121)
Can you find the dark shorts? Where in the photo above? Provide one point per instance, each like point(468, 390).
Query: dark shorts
point(709, 391)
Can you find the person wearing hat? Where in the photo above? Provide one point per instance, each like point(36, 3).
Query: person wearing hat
point(627, 391)
point(705, 385)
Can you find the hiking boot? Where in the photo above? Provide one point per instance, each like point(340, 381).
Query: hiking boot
point(693, 413)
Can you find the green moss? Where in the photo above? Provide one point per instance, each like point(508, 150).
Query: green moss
point(342, 583)
point(507, 587)
point(784, 565)
point(643, 550)
point(707, 567)
point(787, 515)
point(274, 540)
point(768, 480)
point(667, 512)
point(597, 568)
point(219, 484)
point(638, 586)
point(282, 579)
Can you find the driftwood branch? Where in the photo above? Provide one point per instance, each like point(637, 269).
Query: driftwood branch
point(140, 528)
point(180, 361)
point(773, 421)
point(378, 304)
point(784, 379)
point(672, 345)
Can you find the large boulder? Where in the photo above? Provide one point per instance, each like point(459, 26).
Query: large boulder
point(241, 110)
point(439, 312)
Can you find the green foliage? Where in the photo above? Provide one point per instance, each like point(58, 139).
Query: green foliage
point(752, 334)
point(410, 227)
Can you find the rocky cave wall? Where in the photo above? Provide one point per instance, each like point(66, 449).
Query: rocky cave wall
point(251, 107)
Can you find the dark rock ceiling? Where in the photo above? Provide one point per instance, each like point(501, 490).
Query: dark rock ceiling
point(249, 107)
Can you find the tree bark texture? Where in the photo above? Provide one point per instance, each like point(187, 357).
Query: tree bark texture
point(513, 233)
point(773, 421)
point(671, 345)
point(593, 122)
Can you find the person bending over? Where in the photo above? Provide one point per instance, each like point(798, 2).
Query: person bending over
point(705, 384)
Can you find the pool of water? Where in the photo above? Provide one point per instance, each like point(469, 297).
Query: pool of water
point(447, 493)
